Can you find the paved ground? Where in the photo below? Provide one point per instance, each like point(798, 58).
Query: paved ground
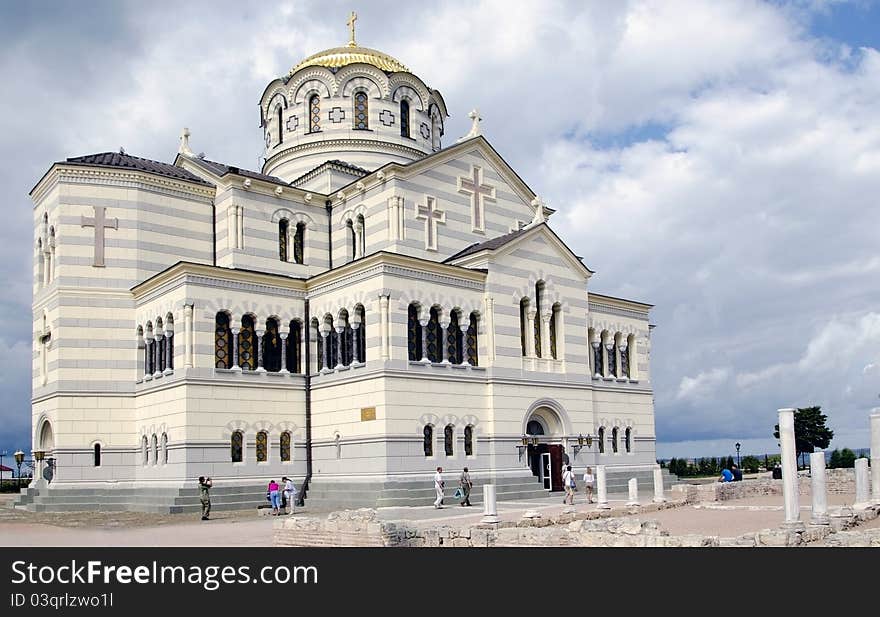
point(18, 528)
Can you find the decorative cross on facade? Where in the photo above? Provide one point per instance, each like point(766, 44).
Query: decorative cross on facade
point(351, 19)
point(432, 217)
point(100, 224)
point(479, 192)
point(386, 117)
point(336, 115)
point(292, 123)
point(184, 143)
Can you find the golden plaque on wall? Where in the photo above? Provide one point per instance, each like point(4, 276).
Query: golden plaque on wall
point(368, 413)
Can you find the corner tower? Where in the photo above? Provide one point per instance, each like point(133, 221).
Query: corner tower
point(351, 104)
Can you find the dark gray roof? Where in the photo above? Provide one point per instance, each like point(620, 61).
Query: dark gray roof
point(354, 170)
point(126, 161)
point(491, 245)
point(221, 169)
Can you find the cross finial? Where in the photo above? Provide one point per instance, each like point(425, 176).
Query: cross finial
point(351, 19)
point(538, 203)
point(184, 143)
point(475, 126)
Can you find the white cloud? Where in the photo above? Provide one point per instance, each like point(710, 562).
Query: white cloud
point(704, 386)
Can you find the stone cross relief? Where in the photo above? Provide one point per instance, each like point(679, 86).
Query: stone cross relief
point(479, 192)
point(100, 223)
point(432, 217)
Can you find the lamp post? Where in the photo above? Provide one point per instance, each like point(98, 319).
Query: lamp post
point(2, 454)
point(19, 459)
point(737, 455)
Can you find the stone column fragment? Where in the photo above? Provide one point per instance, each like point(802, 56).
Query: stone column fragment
point(789, 470)
point(601, 489)
point(819, 515)
point(863, 499)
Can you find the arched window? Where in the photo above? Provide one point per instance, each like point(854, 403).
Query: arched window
point(404, 118)
point(539, 293)
point(222, 341)
point(314, 113)
point(436, 130)
point(283, 232)
point(332, 342)
point(601, 440)
point(361, 334)
point(448, 439)
point(285, 447)
point(469, 440)
point(262, 447)
point(554, 317)
point(414, 333)
point(523, 324)
point(294, 347)
point(169, 340)
point(299, 243)
point(352, 239)
point(160, 342)
point(145, 451)
point(534, 428)
point(97, 459)
point(471, 341)
point(272, 346)
point(428, 440)
point(362, 228)
point(627, 439)
point(280, 127)
point(614, 434)
point(433, 335)
point(361, 111)
point(612, 356)
point(346, 339)
point(624, 356)
point(154, 443)
point(164, 448)
point(454, 351)
point(151, 342)
point(246, 337)
point(237, 447)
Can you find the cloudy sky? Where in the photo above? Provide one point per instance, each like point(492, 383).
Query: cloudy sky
point(719, 159)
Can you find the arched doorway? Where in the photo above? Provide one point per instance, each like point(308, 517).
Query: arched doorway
point(544, 430)
point(46, 443)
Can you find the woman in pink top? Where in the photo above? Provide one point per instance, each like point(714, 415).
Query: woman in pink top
point(273, 496)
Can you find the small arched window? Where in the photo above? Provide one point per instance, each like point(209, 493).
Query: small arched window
point(262, 447)
point(294, 349)
point(285, 447)
point(299, 243)
point(523, 324)
point(164, 448)
point(627, 439)
point(361, 334)
point(222, 338)
point(471, 341)
point(404, 118)
point(314, 113)
point(145, 451)
point(614, 435)
point(272, 346)
point(428, 440)
point(553, 325)
point(539, 293)
point(246, 336)
point(454, 339)
point(352, 239)
point(283, 233)
point(361, 111)
point(601, 440)
point(237, 447)
point(414, 333)
point(154, 442)
point(362, 228)
point(280, 126)
point(448, 439)
point(469, 440)
point(97, 460)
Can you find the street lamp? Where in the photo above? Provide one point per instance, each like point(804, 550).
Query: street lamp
point(2, 454)
point(737, 454)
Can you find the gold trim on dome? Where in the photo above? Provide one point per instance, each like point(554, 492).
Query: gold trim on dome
point(343, 56)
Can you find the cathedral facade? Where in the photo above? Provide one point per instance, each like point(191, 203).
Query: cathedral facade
point(371, 305)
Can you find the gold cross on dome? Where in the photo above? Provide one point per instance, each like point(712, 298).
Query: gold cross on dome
point(351, 19)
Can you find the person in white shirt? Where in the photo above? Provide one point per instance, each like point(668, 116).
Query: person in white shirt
point(438, 488)
point(569, 484)
point(588, 484)
point(290, 493)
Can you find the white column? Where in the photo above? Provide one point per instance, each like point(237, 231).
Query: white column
point(325, 341)
point(384, 327)
point(633, 486)
point(188, 336)
point(235, 366)
point(545, 335)
point(601, 489)
point(283, 336)
point(789, 469)
point(340, 343)
point(609, 350)
point(875, 456)
point(46, 265)
point(659, 497)
point(819, 514)
point(358, 237)
point(355, 342)
point(490, 512)
point(530, 333)
point(597, 368)
point(424, 325)
point(444, 325)
point(621, 349)
point(863, 500)
point(259, 336)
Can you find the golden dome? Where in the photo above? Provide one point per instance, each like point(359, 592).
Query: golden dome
point(341, 56)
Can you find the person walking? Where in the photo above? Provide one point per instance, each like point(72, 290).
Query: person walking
point(465, 484)
point(273, 496)
point(570, 486)
point(438, 488)
point(205, 485)
point(588, 484)
point(290, 493)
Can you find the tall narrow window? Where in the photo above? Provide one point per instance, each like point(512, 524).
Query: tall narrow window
point(614, 434)
point(280, 126)
point(539, 291)
point(97, 460)
point(346, 339)
point(428, 440)
point(361, 111)
point(414, 333)
point(624, 358)
point(319, 355)
point(448, 439)
point(299, 243)
point(283, 233)
point(285, 447)
point(164, 448)
point(612, 358)
point(314, 114)
point(237, 447)
point(362, 335)
point(601, 440)
point(469, 440)
point(222, 341)
point(246, 357)
point(352, 240)
point(404, 118)
point(262, 447)
point(362, 228)
point(145, 451)
point(523, 324)
point(472, 357)
point(553, 325)
point(154, 442)
point(627, 439)
point(454, 339)
point(432, 337)
point(294, 347)
point(272, 347)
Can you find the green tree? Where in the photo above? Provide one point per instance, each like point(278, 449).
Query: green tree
point(847, 458)
point(809, 430)
point(834, 462)
point(750, 464)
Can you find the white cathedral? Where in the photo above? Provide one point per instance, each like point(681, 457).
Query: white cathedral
point(368, 307)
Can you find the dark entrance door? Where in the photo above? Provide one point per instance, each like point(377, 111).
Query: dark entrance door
point(556, 467)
